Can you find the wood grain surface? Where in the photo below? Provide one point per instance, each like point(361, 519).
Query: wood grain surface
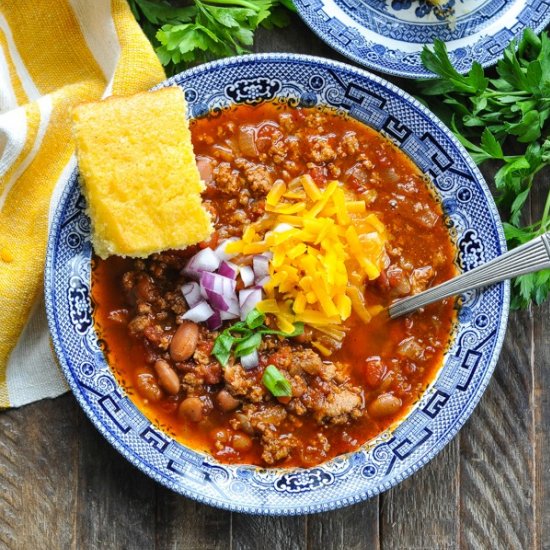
point(62, 485)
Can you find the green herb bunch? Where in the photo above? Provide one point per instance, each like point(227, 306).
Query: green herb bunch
point(487, 115)
point(206, 29)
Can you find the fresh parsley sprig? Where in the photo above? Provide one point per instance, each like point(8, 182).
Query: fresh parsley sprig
point(244, 337)
point(486, 115)
point(206, 29)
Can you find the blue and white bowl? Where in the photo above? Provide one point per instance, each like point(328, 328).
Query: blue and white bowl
point(388, 35)
point(470, 215)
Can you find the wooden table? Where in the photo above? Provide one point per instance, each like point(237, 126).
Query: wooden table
point(63, 486)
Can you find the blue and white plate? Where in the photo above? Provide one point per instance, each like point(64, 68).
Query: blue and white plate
point(470, 215)
point(388, 35)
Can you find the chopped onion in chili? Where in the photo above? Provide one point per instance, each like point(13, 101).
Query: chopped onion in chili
point(250, 361)
point(205, 260)
point(220, 291)
point(228, 269)
point(247, 141)
point(216, 289)
point(192, 293)
point(248, 298)
point(220, 250)
point(228, 315)
point(263, 281)
point(201, 312)
point(247, 275)
point(214, 322)
point(261, 266)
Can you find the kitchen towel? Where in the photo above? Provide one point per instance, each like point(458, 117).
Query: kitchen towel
point(54, 54)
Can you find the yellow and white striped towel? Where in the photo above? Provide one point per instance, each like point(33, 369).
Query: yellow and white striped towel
point(54, 54)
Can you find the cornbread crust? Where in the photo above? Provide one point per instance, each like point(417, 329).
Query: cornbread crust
point(138, 174)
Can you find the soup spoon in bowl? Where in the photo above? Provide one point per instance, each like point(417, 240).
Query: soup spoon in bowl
point(529, 257)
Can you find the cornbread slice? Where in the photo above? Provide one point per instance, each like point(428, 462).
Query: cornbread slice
point(139, 175)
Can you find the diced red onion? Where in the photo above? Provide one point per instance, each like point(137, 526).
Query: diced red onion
point(219, 289)
point(228, 269)
point(263, 281)
point(250, 361)
point(214, 322)
point(234, 305)
point(247, 275)
point(201, 312)
point(192, 293)
point(205, 260)
point(248, 300)
point(214, 298)
point(220, 250)
point(228, 315)
point(260, 264)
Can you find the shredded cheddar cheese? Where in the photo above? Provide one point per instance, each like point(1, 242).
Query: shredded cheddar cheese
point(324, 248)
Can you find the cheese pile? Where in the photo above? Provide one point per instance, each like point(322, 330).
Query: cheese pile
point(324, 246)
point(139, 175)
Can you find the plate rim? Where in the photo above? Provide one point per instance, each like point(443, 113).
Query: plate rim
point(309, 19)
point(179, 488)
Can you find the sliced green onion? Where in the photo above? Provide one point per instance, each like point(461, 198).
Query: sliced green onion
point(244, 337)
point(275, 382)
point(222, 347)
point(255, 319)
point(249, 345)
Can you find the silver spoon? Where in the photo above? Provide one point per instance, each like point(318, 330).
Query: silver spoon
point(529, 257)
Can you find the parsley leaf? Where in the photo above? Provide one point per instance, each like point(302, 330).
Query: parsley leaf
point(206, 29)
point(487, 115)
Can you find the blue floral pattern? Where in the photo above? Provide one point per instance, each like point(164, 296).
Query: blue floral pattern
point(388, 35)
point(394, 454)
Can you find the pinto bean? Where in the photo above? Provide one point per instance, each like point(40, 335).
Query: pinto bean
point(241, 442)
point(192, 409)
point(384, 405)
point(147, 387)
point(226, 402)
point(168, 379)
point(184, 341)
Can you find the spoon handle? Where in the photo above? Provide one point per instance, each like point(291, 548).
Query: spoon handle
point(529, 257)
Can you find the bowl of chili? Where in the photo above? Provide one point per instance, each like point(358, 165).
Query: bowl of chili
point(308, 165)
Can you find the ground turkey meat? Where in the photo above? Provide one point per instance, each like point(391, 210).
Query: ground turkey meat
point(321, 150)
point(310, 362)
point(138, 324)
point(286, 120)
point(278, 151)
point(241, 385)
point(349, 145)
point(340, 405)
point(257, 176)
point(226, 178)
point(277, 448)
point(318, 386)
